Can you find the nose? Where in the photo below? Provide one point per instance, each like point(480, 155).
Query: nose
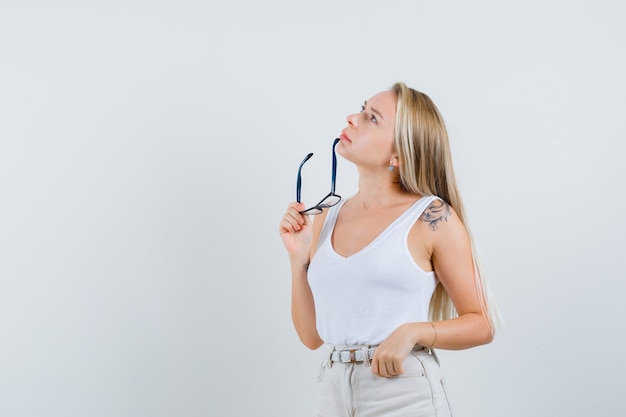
point(352, 119)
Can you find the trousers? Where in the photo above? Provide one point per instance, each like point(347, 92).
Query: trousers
point(352, 390)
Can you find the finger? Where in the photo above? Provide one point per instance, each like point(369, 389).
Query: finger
point(297, 206)
point(375, 365)
point(294, 217)
point(286, 226)
point(306, 218)
point(294, 212)
point(379, 359)
point(397, 368)
point(290, 223)
point(298, 218)
point(383, 370)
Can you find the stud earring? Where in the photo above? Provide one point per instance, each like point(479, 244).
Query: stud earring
point(391, 168)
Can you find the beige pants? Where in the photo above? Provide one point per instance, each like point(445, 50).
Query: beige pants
point(352, 390)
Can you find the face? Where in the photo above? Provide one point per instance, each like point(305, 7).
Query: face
point(367, 141)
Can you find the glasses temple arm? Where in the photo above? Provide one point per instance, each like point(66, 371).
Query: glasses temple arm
point(299, 181)
point(334, 172)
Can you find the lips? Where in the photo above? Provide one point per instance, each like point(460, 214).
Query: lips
point(344, 137)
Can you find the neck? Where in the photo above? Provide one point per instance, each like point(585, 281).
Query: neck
point(376, 189)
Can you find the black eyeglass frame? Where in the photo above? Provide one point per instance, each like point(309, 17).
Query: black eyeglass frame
point(331, 198)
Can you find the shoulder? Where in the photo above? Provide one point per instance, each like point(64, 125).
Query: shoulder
point(436, 212)
point(434, 228)
point(441, 226)
point(444, 229)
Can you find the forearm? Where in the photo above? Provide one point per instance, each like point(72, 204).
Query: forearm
point(303, 307)
point(466, 331)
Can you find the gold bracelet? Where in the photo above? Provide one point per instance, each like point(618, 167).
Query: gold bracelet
point(435, 339)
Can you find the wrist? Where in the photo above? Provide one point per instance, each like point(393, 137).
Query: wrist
point(422, 334)
point(414, 331)
point(299, 264)
point(434, 328)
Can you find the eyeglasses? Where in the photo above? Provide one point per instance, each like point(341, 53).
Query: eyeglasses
point(331, 199)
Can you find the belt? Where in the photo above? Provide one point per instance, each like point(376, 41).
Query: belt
point(353, 355)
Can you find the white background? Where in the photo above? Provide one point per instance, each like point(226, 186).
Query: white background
point(148, 150)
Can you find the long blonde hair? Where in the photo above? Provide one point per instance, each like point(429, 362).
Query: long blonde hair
point(421, 140)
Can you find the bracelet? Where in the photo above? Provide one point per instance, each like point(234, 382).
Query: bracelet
point(435, 339)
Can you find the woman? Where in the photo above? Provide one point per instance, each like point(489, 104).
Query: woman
point(388, 275)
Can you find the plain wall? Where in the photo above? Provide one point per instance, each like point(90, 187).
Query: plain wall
point(149, 149)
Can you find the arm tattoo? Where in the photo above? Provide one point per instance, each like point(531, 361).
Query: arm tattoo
point(438, 211)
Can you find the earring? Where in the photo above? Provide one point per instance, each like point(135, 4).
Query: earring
point(391, 168)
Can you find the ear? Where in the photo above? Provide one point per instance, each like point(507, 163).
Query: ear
point(394, 161)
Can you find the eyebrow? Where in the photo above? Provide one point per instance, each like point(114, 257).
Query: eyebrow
point(374, 110)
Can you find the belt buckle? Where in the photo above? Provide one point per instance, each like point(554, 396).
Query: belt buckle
point(351, 356)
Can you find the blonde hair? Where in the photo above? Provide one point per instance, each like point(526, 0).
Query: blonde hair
point(421, 140)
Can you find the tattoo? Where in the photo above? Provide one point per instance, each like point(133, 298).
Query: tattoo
point(438, 211)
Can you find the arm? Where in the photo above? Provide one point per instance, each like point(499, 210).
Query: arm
point(446, 243)
point(453, 262)
point(298, 232)
point(303, 308)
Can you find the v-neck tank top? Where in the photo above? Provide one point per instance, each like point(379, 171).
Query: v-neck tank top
point(362, 298)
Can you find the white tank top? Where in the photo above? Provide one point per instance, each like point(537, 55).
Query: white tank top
point(361, 299)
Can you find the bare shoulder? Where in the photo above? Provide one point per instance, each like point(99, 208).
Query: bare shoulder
point(437, 212)
point(432, 231)
point(443, 228)
point(440, 224)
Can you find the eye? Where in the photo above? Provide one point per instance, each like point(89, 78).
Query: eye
point(372, 118)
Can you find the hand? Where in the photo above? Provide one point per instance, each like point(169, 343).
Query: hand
point(391, 353)
point(296, 231)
